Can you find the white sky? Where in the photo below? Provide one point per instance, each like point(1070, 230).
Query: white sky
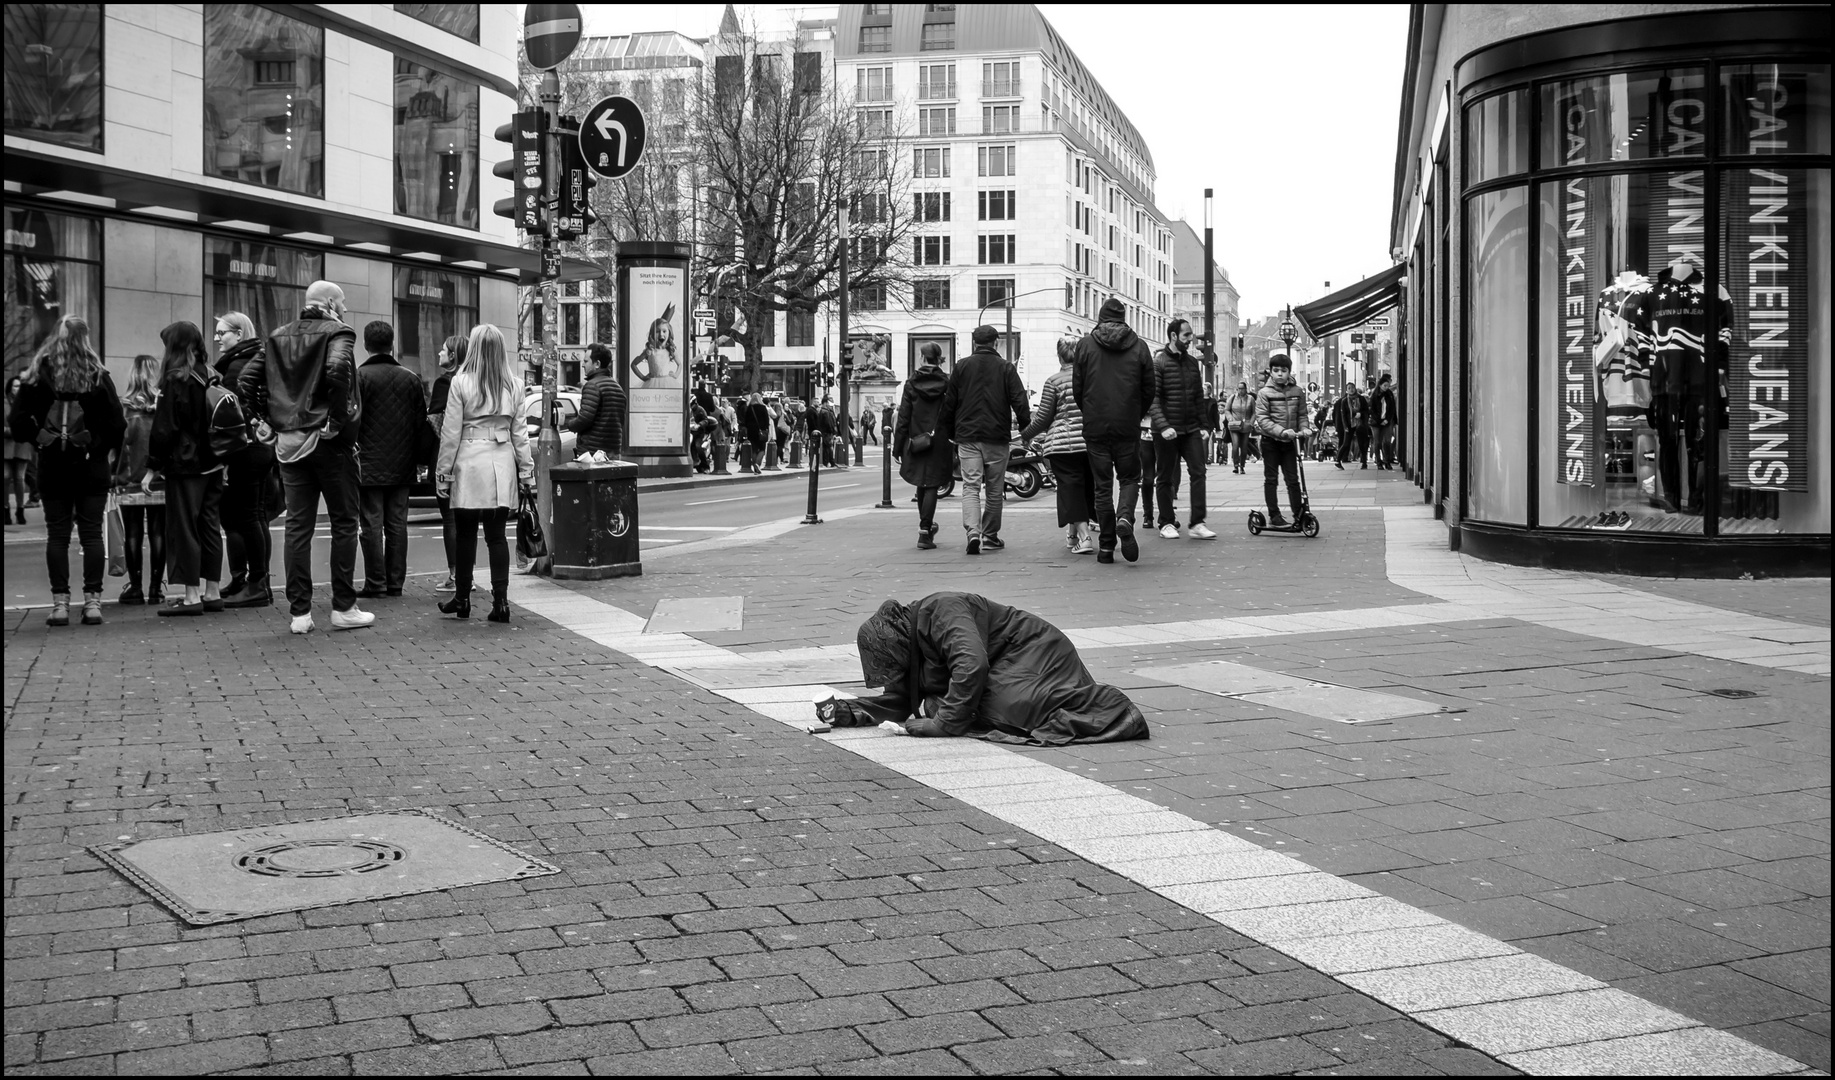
point(1289, 112)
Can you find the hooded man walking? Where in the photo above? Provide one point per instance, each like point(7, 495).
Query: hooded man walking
point(983, 392)
point(1112, 383)
point(1177, 416)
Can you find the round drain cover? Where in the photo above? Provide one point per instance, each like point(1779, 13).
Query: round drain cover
point(320, 858)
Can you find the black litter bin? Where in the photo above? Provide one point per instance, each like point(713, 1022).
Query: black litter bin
point(594, 530)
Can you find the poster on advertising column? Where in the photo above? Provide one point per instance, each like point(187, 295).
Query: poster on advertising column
point(654, 338)
point(1765, 217)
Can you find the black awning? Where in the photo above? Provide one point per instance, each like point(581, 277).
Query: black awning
point(1350, 308)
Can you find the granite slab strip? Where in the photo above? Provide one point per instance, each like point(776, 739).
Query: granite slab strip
point(1277, 925)
point(1382, 949)
point(1196, 869)
point(1696, 1051)
point(694, 614)
point(1109, 851)
point(1219, 899)
point(1584, 1016)
point(1468, 982)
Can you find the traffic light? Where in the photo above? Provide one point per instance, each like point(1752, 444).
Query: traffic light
point(527, 169)
point(574, 217)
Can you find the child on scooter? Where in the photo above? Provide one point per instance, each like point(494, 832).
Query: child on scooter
point(1282, 419)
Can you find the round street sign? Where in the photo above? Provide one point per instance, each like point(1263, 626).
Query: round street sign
point(612, 137)
point(550, 33)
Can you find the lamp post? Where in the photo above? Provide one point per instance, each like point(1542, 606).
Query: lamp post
point(1289, 333)
point(815, 458)
point(1210, 312)
point(1008, 301)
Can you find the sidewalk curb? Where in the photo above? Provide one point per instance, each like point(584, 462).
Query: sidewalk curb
point(689, 483)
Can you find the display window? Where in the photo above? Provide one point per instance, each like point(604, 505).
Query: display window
point(1632, 116)
point(53, 268)
point(1497, 137)
point(431, 306)
point(264, 282)
point(1497, 234)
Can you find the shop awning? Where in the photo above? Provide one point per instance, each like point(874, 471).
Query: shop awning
point(1350, 308)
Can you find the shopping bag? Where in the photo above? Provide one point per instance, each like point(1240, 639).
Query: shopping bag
point(531, 548)
point(114, 536)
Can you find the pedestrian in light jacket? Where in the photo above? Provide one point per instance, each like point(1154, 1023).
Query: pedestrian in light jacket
point(1061, 422)
point(1237, 412)
point(484, 463)
point(394, 408)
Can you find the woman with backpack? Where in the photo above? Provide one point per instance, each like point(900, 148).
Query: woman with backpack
point(919, 440)
point(180, 448)
point(138, 489)
point(484, 459)
point(67, 407)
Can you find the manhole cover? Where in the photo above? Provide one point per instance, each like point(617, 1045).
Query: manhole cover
point(223, 876)
point(1729, 692)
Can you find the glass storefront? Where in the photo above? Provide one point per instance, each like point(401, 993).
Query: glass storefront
point(54, 73)
point(264, 98)
point(436, 145)
point(264, 282)
point(53, 268)
point(460, 20)
point(431, 306)
point(1656, 361)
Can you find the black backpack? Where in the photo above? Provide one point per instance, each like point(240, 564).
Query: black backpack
point(66, 428)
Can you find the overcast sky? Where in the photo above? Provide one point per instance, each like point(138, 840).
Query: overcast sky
point(1289, 112)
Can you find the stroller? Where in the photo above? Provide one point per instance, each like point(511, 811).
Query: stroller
point(1305, 522)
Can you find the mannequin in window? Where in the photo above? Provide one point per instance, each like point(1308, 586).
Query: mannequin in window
point(1668, 322)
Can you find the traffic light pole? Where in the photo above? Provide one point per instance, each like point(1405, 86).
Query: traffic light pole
point(548, 444)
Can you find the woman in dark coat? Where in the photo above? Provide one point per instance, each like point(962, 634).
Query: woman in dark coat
point(920, 415)
point(755, 421)
point(966, 665)
point(180, 448)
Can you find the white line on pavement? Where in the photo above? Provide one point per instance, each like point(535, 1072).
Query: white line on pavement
point(690, 528)
point(710, 502)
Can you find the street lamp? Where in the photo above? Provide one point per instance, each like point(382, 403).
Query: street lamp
point(1008, 301)
point(1289, 333)
point(815, 457)
point(1210, 291)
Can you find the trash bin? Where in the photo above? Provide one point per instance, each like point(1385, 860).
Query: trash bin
point(592, 531)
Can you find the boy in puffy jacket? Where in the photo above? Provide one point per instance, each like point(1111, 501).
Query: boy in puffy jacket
point(1281, 419)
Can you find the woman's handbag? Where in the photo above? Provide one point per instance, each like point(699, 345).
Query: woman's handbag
point(115, 539)
point(530, 546)
point(919, 443)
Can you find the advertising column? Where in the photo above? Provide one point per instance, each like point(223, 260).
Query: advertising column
point(653, 360)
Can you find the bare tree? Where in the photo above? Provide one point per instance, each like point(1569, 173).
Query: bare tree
point(778, 149)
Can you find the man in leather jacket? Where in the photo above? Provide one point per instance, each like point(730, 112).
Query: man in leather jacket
point(305, 386)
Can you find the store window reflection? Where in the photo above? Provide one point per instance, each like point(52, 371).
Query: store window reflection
point(1625, 117)
point(1497, 137)
point(264, 95)
point(264, 282)
point(460, 20)
point(1774, 109)
point(431, 306)
point(53, 268)
point(1497, 231)
point(436, 145)
point(54, 73)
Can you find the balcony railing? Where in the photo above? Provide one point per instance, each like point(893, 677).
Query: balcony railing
point(937, 91)
point(1000, 88)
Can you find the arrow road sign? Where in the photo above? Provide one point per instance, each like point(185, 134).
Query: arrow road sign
point(550, 33)
point(612, 137)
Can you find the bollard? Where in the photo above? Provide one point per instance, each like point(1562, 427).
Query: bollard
point(885, 471)
point(720, 459)
point(860, 450)
point(796, 451)
point(771, 462)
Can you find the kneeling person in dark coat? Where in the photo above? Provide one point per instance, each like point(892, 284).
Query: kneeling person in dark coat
point(960, 664)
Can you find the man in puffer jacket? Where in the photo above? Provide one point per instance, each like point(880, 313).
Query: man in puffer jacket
point(1177, 413)
point(1112, 383)
point(1282, 419)
point(600, 423)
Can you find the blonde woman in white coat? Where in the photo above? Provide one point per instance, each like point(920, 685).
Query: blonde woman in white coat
point(484, 460)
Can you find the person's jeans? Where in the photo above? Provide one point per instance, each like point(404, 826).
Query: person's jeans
point(1149, 459)
point(247, 542)
point(330, 472)
point(1239, 447)
point(1112, 461)
point(1279, 457)
point(194, 529)
point(446, 527)
point(984, 468)
point(385, 537)
point(144, 530)
point(1385, 446)
point(85, 511)
point(1190, 447)
point(465, 549)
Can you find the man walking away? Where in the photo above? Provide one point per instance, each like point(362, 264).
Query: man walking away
point(984, 391)
point(1351, 416)
point(1177, 413)
point(1112, 383)
point(305, 384)
point(1282, 420)
point(600, 423)
point(1384, 414)
point(394, 409)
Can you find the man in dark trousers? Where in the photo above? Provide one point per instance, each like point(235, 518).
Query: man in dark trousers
point(1178, 422)
point(1351, 416)
point(1112, 382)
point(1384, 416)
point(394, 408)
point(983, 401)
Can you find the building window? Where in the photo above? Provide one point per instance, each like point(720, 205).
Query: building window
point(998, 160)
point(873, 84)
point(605, 327)
point(875, 123)
point(875, 39)
point(930, 294)
point(436, 145)
point(806, 69)
point(570, 324)
point(264, 282)
point(999, 119)
point(876, 11)
point(997, 205)
point(431, 306)
point(460, 20)
point(799, 328)
point(867, 250)
point(998, 248)
point(729, 79)
point(930, 161)
point(53, 269)
point(1070, 295)
point(938, 36)
point(933, 122)
point(264, 94)
point(872, 164)
point(931, 206)
point(54, 75)
point(1497, 137)
point(1620, 117)
point(936, 82)
point(930, 250)
point(993, 291)
point(675, 95)
point(873, 209)
point(1000, 80)
point(869, 298)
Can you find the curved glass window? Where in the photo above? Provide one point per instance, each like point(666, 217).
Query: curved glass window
point(1774, 109)
point(1624, 117)
point(460, 20)
point(264, 98)
point(436, 145)
point(1497, 137)
point(1497, 239)
point(54, 73)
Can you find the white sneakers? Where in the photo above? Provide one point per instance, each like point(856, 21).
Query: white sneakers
point(302, 624)
point(1200, 532)
point(351, 620)
point(1169, 532)
point(1082, 547)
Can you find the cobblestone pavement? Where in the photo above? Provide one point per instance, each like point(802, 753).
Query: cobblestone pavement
point(739, 897)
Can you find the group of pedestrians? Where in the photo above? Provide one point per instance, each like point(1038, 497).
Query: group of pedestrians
point(200, 457)
point(1363, 423)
